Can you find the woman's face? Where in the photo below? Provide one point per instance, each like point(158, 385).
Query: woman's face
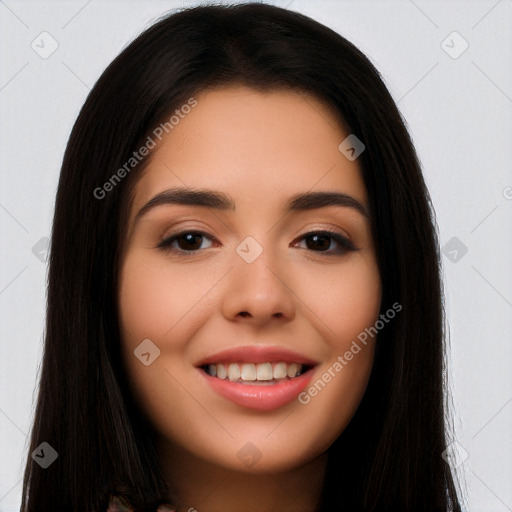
point(252, 287)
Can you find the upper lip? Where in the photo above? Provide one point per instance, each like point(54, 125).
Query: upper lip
point(257, 354)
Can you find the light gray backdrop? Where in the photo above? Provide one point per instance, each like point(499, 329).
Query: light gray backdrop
point(448, 66)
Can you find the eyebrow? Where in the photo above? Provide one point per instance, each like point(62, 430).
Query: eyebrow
point(220, 201)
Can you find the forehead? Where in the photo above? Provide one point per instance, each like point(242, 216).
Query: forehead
point(256, 146)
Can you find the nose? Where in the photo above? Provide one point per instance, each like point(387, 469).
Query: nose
point(258, 294)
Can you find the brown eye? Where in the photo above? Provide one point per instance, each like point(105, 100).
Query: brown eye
point(318, 242)
point(328, 242)
point(186, 242)
point(189, 241)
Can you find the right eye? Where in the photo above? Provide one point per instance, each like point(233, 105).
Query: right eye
point(185, 243)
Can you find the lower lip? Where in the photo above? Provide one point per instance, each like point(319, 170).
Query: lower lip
point(263, 398)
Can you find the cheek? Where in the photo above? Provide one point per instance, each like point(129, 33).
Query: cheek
point(347, 305)
point(155, 297)
point(345, 299)
point(162, 304)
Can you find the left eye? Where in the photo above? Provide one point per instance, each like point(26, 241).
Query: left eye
point(323, 241)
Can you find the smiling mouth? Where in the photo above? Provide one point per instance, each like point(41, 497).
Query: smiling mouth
point(256, 373)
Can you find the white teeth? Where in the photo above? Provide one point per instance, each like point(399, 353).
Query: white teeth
point(221, 371)
point(233, 372)
point(264, 371)
point(292, 370)
point(280, 371)
point(250, 372)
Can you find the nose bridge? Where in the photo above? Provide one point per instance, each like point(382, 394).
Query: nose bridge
point(259, 274)
point(257, 289)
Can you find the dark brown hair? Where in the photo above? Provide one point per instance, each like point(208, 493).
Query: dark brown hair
point(389, 456)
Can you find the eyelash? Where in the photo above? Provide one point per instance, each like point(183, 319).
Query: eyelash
point(345, 244)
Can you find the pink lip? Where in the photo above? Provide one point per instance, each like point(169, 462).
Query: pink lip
point(256, 354)
point(263, 398)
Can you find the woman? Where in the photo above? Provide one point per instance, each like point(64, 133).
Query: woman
point(244, 302)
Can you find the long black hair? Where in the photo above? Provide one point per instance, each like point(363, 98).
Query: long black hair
point(389, 456)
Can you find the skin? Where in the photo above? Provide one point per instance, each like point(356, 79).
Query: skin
point(260, 148)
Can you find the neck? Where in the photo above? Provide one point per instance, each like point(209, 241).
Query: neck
point(200, 486)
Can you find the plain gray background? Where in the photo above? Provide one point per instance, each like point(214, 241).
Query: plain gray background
point(457, 102)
